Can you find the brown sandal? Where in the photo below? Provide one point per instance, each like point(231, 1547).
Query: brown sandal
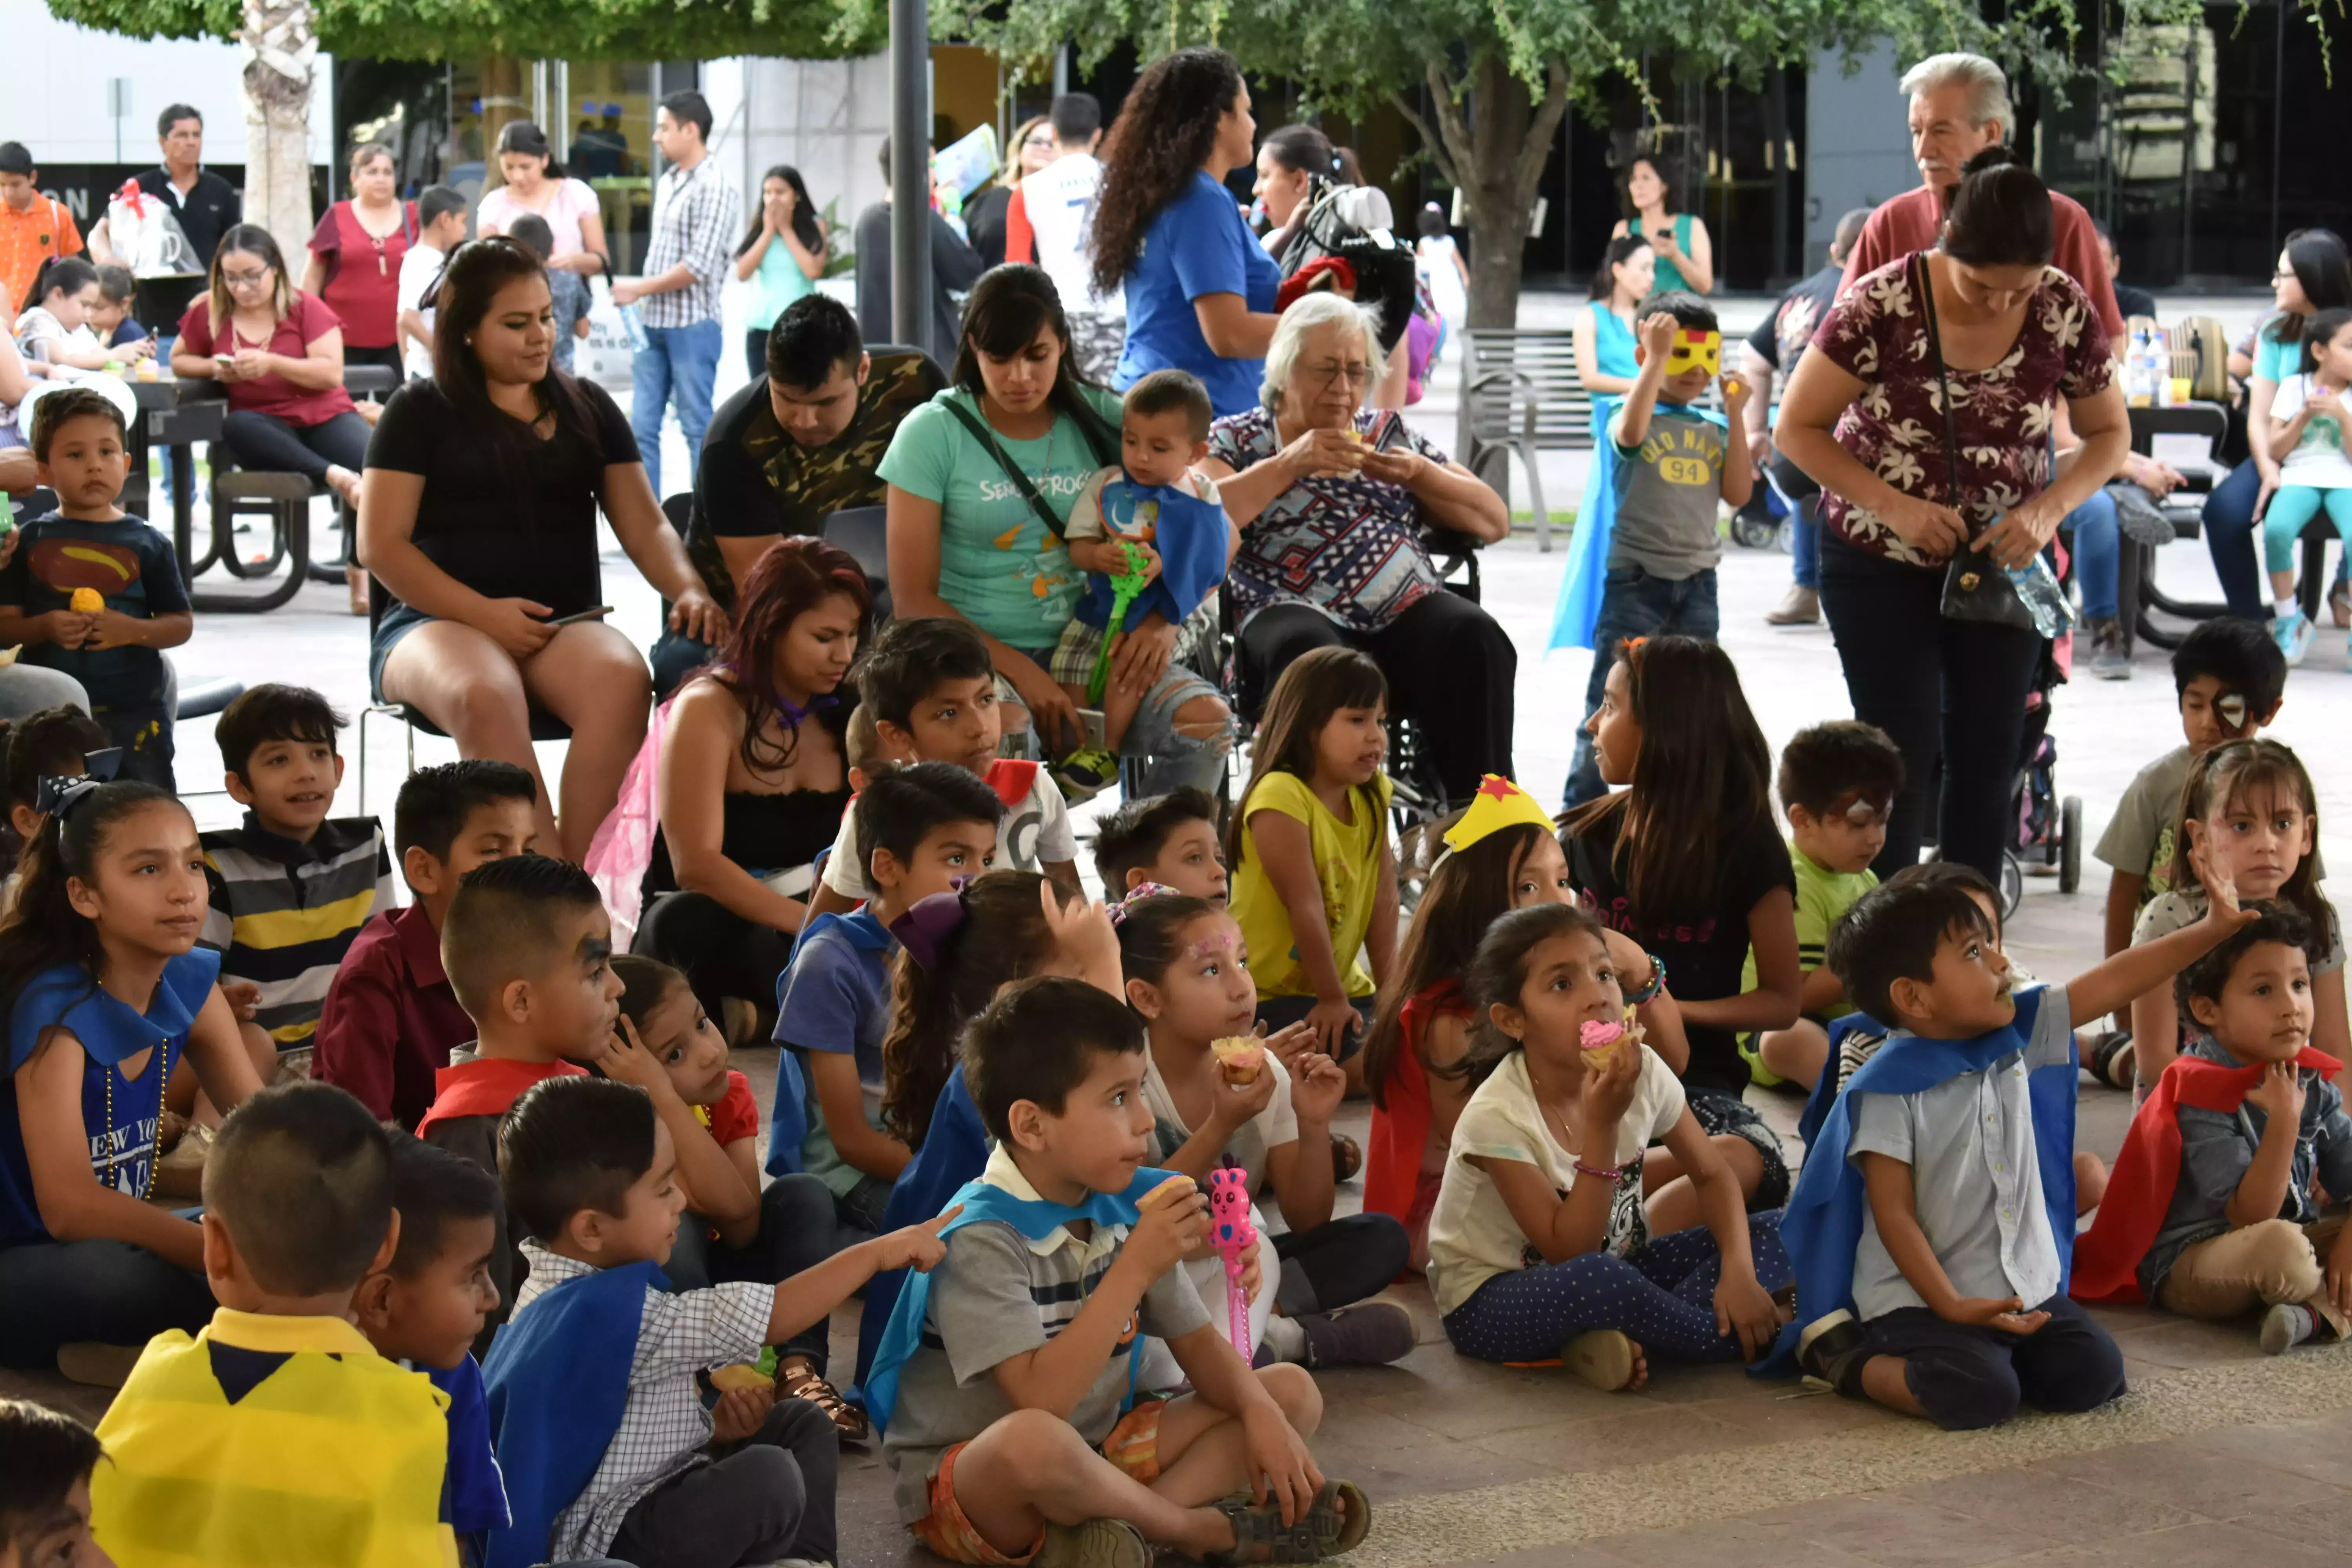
point(796, 1379)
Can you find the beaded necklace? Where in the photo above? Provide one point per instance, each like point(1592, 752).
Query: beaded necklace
point(162, 1064)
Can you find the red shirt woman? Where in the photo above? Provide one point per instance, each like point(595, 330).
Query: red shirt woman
point(355, 259)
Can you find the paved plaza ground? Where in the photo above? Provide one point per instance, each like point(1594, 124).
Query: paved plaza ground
point(2217, 1453)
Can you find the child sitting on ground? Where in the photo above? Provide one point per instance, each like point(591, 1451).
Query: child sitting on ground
point(567, 291)
point(1170, 839)
point(1541, 1244)
point(1933, 1224)
point(290, 888)
point(1314, 879)
point(55, 743)
point(391, 1018)
point(93, 592)
point(595, 1410)
point(45, 1508)
point(111, 320)
point(933, 694)
point(1498, 856)
point(529, 951)
point(2231, 679)
point(1006, 1383)
point(670, 1047)
point(1671, 461)
point(1265, 1109)
point(1155, 512)
point(2216, 1204)
point(1838, 784)
point(425, 1305)
point(297, 1211)
point(2252, 805)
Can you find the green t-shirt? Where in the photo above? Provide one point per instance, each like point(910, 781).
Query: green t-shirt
point(998, 563)
point(1823, 895)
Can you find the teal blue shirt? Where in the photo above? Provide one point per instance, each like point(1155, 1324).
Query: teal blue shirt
point(777, 283)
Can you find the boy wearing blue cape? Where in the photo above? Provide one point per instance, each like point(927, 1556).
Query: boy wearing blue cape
point(1933, 1228)
point(1005, 1381)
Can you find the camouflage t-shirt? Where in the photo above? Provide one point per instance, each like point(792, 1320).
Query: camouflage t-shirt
point(755, 480)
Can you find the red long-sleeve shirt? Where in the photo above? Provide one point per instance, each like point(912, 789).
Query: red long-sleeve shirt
point(391, 1019)
point(1915, 220)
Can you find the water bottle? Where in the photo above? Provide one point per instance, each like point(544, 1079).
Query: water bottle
point(635, 327)
point(2037, 588)
point(2137, 390)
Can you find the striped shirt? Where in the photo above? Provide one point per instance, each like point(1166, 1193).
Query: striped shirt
point(284, 913)
point(696, 214)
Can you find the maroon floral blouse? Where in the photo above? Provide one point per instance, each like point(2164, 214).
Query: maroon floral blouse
point(1877, 333)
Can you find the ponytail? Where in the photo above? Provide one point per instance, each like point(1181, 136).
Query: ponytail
point(43, 930)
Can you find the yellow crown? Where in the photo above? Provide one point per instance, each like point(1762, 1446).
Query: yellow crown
point(1499, 803)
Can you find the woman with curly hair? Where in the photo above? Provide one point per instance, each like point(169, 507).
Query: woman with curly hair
point(1200, 288)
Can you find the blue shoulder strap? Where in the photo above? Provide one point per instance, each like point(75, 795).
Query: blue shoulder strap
point(557, 1382)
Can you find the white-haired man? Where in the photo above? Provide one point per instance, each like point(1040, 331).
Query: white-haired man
point(1960, 106)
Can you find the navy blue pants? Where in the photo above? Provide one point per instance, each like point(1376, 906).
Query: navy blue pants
point(1965, 1377)
point(1662, 1298)
point(1634, 603)
point(797, 1231)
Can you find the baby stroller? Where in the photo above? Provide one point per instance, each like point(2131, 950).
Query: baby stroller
point(2045, 836)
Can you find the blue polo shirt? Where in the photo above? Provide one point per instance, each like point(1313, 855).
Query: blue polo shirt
point(1198, 245)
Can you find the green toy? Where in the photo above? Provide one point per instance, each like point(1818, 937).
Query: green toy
point(1124, 587)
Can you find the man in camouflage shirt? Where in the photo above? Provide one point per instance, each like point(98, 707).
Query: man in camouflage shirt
point(797, 444)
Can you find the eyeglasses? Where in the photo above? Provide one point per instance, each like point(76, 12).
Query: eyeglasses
point(1040, 139)
point(245, 279)
point(1358, 374)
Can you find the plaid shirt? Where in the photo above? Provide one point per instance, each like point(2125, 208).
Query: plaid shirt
point(696, 214)
point(664, 1426)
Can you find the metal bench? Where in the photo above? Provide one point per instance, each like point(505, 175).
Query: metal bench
point(1520, 393)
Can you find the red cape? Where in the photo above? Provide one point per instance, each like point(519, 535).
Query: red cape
point(2140, 1192)
point(1011, 779)
point(1401, 1128)
point(487, 1086)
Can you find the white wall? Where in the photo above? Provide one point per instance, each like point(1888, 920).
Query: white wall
point(1857, 142)
point(825, 118)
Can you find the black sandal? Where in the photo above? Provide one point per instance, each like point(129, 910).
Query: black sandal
point(1324, 1529)
point(796, 1379)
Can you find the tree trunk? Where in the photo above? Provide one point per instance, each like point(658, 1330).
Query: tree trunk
point(281, 44)
point(1493, 154)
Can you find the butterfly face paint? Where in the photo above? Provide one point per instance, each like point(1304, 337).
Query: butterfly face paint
point(1694, 349)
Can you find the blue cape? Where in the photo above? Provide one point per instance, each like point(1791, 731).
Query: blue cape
point(1821, 1227)
point(1036, 1220)
point(1579, 607)
point(109, 1029)
point(557, 1380)
point(1824, 1094)
point(788, 1122)
point(473, 1495)
point(1191, 536)
point(954, 1151)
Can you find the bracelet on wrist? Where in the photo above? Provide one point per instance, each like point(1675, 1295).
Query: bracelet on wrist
point(1635, 996)
point(1600, 1173)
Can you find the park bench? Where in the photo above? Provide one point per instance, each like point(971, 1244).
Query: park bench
point(1520, 393)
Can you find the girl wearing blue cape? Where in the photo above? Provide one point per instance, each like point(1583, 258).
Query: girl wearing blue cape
point(1605, 364)
point(107, 993)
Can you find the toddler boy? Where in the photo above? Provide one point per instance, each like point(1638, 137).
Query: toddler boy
point(297, 1211)
point(2215, 1209)
point(567, 291)
point(933, 693)
point(1158, 505)
point(1934, 1218)
point(290, 888)
point(425, 1305)
point(1004, 1380)
point(45, 1490)
point(390, 1018)
point(93, 592)
point(1169, 838)
point(528, 949)
point(1673, 462)
point(923, 827)
point(593, 1400)
point(441, 224)
point(1838, 782)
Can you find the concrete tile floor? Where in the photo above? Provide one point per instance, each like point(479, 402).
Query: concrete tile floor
point(2217, 1452)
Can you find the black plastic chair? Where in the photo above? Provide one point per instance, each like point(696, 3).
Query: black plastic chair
point(864, 532)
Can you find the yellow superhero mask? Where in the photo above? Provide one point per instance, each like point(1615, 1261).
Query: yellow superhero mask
point(1694, 349)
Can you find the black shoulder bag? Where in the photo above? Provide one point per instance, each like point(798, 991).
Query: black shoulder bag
point(1104, 446)
point(1976, 589)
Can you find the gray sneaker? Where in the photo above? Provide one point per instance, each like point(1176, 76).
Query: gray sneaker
point(1370, 1333)
point(2109, 660)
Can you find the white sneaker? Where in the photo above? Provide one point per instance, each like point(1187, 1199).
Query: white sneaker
point(2293, 634)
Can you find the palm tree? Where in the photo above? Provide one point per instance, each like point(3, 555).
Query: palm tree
point(281, 45)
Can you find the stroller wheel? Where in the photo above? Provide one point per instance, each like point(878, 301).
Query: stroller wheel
point(2012, 885)
point(2070, 844)
point(1752, 531)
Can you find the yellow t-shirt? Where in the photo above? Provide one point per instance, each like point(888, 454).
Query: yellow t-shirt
point(1347, 866)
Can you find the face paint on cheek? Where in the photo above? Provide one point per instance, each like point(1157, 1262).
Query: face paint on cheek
point(1695, 350)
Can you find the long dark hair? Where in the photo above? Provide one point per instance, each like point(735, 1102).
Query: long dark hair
point(2230, 773)
point(791, 577)
point(1150, 931)
point(1667, 194)
point(1315, 686)
point(1498, 975)
point(53, 741)
point(1999, 215)
point(1303, 149)
point(1621, 250)
point(2317, 333)
point(1008, 306)
point(43, 930)
point(2321, 265)
point(526, 138)
point(470, 280)
point(248, 239)
point(1704, 776)
point(803, 217)
point(1002, 936)
point(1160, 140)
point(1467, 891)
point(65, 274)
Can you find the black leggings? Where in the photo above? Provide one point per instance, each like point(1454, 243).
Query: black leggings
point(1451, 670)
point(1338, 1261)
point(266, 444)
point(1939, 689)
point(722, 953)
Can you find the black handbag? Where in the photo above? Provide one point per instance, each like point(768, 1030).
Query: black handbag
point(1975, 587)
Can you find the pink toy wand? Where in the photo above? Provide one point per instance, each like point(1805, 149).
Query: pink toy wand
point(1229, 1218)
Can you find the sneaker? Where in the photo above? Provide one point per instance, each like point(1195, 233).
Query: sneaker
point(99, 1366)
point(2109, 658)
point(2293, 634)
point(1370, 1333)
point(1086, 774)
point(2287, 1325)
point(1096, 1543)
point(1802, 607)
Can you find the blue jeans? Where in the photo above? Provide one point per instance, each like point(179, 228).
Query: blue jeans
point(1805, 541)
point(680, 364)
point(2229, 524)
point(2098, 555)
point(52, 1292)
point(1634, 603)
